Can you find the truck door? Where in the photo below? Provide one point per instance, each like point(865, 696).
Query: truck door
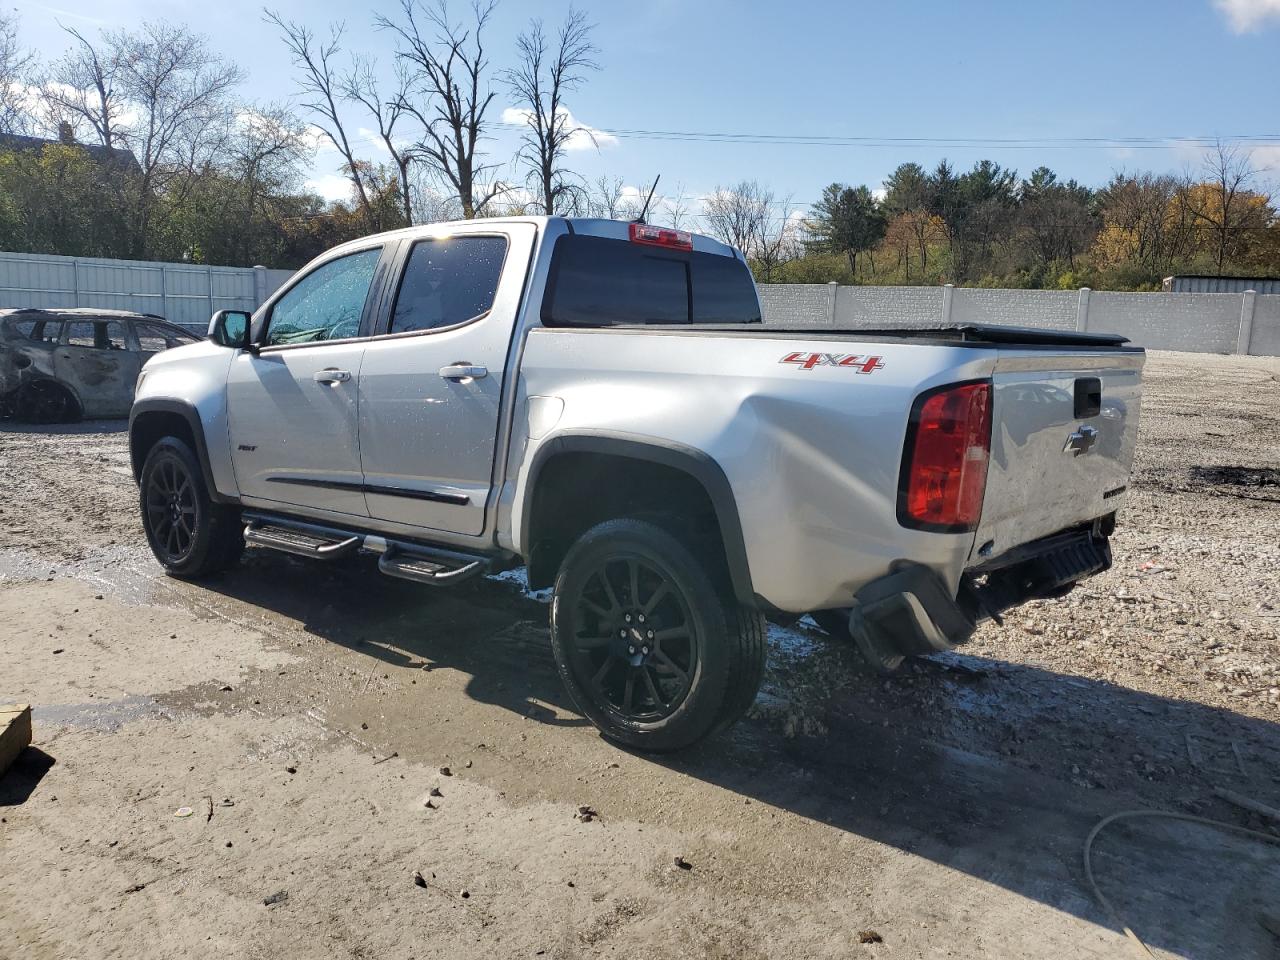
point(431, 381)
point(291, 407)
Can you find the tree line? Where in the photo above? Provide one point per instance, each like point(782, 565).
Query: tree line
point(138, 143)
point(988, 227)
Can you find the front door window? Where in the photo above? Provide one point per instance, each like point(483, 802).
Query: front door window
point(326, 304)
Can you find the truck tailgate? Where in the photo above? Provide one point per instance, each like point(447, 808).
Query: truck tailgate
point(1063, 432)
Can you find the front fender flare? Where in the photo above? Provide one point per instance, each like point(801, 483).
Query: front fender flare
point(154, 405)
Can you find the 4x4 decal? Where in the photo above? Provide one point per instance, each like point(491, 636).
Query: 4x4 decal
point(860, 364)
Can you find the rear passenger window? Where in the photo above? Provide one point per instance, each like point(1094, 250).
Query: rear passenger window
point(153, 339)
point(447, 282)
point(598, 281)
point(96, 334)
point(46, 331)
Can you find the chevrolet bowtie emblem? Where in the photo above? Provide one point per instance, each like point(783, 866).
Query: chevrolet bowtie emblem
point(1081, 441)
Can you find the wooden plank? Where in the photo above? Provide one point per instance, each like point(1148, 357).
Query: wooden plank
point(15, 732)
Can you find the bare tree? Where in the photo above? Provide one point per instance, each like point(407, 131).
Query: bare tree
point(180, 92)
point(361, 86)
point(448, 94)
point(677, 208)
point(742, 216)
point(544, 74)
point(1223, 202)
point(82, 88)
point(16, 65)
point(738, 215)
point(777, 241)
point(323, 86)
point(610, 198)
point(264, 156)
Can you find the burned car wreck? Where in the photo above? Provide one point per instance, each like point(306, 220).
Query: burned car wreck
point(61, 365)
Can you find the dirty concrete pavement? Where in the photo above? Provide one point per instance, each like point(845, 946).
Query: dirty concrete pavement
point(302, 761)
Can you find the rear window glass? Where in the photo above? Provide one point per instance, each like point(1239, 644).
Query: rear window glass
point(447, 282)
point(153, 338)
point(596, 281)
point(42, 331)
point(96, 334)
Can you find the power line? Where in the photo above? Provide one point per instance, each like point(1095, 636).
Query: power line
point(1026, 143)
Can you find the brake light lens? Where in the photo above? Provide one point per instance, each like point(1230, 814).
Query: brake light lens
point(945, 467)
point(661, 236)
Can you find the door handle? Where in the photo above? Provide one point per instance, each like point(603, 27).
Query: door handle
point(331, 375)
point(463, 372)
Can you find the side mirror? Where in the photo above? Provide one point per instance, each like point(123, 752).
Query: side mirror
point(230, 328)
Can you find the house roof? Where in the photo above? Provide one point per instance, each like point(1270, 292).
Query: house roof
point(117, 156)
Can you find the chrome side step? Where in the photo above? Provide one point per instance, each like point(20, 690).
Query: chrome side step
point(303, 543)
point(431, 569)
point(434, 566)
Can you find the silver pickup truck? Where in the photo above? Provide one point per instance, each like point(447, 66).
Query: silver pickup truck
point(599, 402)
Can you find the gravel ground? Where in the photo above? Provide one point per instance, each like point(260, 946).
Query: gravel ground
point(304, 713)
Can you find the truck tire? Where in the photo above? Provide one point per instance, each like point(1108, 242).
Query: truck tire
point(651, 650)
point(189, 534)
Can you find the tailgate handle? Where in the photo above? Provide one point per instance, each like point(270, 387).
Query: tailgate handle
point(1088, 397)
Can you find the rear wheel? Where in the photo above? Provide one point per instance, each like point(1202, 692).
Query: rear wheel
point(189, 534)
point(652, 651)
point(46, 401)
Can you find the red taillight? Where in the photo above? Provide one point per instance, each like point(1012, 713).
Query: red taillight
point(661, 236)
point(945, 465)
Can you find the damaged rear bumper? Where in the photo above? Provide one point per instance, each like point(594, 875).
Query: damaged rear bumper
point(912, 612)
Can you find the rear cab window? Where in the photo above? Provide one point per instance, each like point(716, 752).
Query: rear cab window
point(599, 281)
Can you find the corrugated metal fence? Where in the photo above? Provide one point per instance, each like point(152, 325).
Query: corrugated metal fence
point(187, 294)
point(182, 293)
point(1246, 323)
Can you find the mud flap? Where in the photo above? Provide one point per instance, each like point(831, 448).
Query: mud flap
point(908, 613)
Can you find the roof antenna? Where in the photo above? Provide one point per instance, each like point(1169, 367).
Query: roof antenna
point(647, 200)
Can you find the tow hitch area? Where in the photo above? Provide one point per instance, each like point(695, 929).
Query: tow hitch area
point(911, 612)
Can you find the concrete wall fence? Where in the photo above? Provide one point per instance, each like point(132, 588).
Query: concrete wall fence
point(188, 294)
point(182, 293)
point(1246, 323)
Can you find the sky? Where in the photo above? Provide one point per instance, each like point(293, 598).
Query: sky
point(882, 72)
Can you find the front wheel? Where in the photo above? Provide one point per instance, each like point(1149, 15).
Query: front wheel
point(189, 534)
point(652, 651)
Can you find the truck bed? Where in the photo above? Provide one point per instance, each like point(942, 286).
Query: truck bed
point(810, 428)
point(952, 334)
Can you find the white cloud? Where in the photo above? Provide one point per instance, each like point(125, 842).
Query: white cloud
point(585, 136)
point(331, 186)
point(1246, 16)
point(1266, 160)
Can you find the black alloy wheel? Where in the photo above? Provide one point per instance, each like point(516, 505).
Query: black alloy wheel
point(648, 638)
point(635, 646)
point(189, 533)
point(170, 499)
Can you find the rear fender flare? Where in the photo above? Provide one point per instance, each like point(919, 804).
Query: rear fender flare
point(689, 460)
